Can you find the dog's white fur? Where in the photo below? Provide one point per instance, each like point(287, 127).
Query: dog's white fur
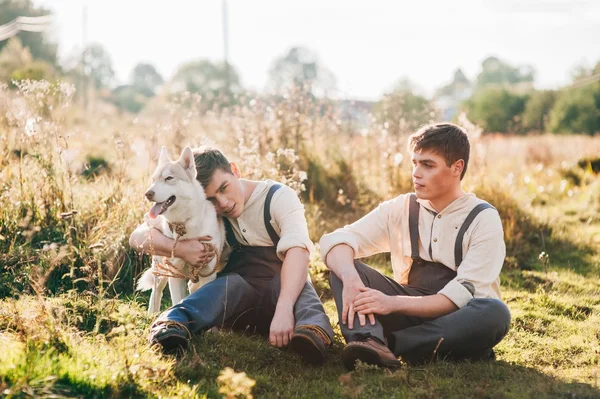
point(178, 178)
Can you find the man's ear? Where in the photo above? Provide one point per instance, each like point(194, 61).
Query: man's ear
point(164, 156)
point(235, 170)
point(458, 167)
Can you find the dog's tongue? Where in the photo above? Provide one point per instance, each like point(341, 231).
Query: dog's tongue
point(155, 210)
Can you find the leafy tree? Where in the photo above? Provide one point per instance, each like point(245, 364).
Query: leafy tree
point(209, 79)
point(459, 84)
point(38, 44)
point(537, 110)
point(37, 70)
point(146, 79)
point(582, 72)
point(495, 72)
point(496, 109)
point(129, 98)
point(403, 110)
point(300, 67)
point(133, 97)
point(13, 57)
point(577, 110)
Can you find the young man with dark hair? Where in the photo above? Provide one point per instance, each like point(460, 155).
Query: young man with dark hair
point(263, 286)
point(447, 250)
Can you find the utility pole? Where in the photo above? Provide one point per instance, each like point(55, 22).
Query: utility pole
point(226, 47)
point(84, 86)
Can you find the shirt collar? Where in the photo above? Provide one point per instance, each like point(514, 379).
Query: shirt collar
point(260, 188)
point(453, 206)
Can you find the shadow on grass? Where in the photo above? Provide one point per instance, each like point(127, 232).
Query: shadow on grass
point(281, 373)
point(526, 237)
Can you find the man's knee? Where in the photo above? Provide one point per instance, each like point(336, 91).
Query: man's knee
point(493, 314)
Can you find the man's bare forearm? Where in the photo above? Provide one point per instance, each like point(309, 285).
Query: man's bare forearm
point(340, 259)
point(432, 306)
point(293, 275)
point(150, 241)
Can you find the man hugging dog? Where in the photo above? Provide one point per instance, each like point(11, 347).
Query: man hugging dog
point(263, 287)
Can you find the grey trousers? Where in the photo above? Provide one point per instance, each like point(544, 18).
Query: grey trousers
point(468, 333)
point(230, 301)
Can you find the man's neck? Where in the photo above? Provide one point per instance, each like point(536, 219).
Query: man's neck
point(439, 204)
point(248, 186)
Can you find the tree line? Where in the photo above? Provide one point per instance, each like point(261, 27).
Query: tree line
point(502, 97)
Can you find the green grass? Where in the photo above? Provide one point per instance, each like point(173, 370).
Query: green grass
point(82, 345)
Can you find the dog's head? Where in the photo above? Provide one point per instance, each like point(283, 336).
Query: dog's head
point(174, 184)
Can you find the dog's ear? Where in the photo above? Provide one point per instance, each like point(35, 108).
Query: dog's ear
point(164, 156)
point(187, 161)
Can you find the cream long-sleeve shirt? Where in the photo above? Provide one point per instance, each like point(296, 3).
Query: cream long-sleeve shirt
point(287, 218)
point(385, 229)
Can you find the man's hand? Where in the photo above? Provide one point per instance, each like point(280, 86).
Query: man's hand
point(350, 291)
point(282, 325)
point(371, 301)
point(192, 251)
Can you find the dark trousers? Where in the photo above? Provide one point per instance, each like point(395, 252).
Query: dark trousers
point(468, 333)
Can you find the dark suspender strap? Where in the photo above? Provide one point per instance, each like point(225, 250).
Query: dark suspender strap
point(458, 252)
point(231, 240)
point(267, 215)
point(413, 226)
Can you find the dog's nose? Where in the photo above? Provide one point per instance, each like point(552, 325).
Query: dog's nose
point(149, 194)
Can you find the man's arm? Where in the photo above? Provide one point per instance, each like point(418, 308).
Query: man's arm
point(370, 234)
point(367, 236)
point(341, 262)
point(293, 279)
point(151, 241)
point(432, 306)
point(294, 249)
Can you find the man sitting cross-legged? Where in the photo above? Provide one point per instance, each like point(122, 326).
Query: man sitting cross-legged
point(447, 250)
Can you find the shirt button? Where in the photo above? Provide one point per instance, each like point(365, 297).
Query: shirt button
point(435, 240)
point(244, 230)
point(439, 216)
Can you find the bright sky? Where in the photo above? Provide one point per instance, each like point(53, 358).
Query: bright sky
point(367, 44)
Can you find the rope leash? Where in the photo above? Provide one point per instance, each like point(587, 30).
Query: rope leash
point(168, 269)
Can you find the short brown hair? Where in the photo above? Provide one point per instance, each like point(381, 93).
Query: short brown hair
point(446, 139)
point(208, 160)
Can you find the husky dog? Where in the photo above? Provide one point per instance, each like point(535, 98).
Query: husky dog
point(182, 212)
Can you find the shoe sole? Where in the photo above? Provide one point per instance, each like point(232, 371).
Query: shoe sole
point(353, 353)
point(173, 344)
point(307, 349)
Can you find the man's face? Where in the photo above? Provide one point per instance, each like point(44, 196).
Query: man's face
point(432, 177)
point(226, 193)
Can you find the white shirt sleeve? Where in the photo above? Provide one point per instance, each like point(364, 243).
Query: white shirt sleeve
point(368, 235)
point(482, 262)
point(287, 212)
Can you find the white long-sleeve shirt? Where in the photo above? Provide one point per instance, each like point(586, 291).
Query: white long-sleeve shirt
point(287, 218)
point(386, 229)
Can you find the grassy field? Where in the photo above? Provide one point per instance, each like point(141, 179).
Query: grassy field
point(72, 185)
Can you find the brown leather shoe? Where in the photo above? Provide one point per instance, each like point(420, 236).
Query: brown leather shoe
point(369, 351)
point(311, 343)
